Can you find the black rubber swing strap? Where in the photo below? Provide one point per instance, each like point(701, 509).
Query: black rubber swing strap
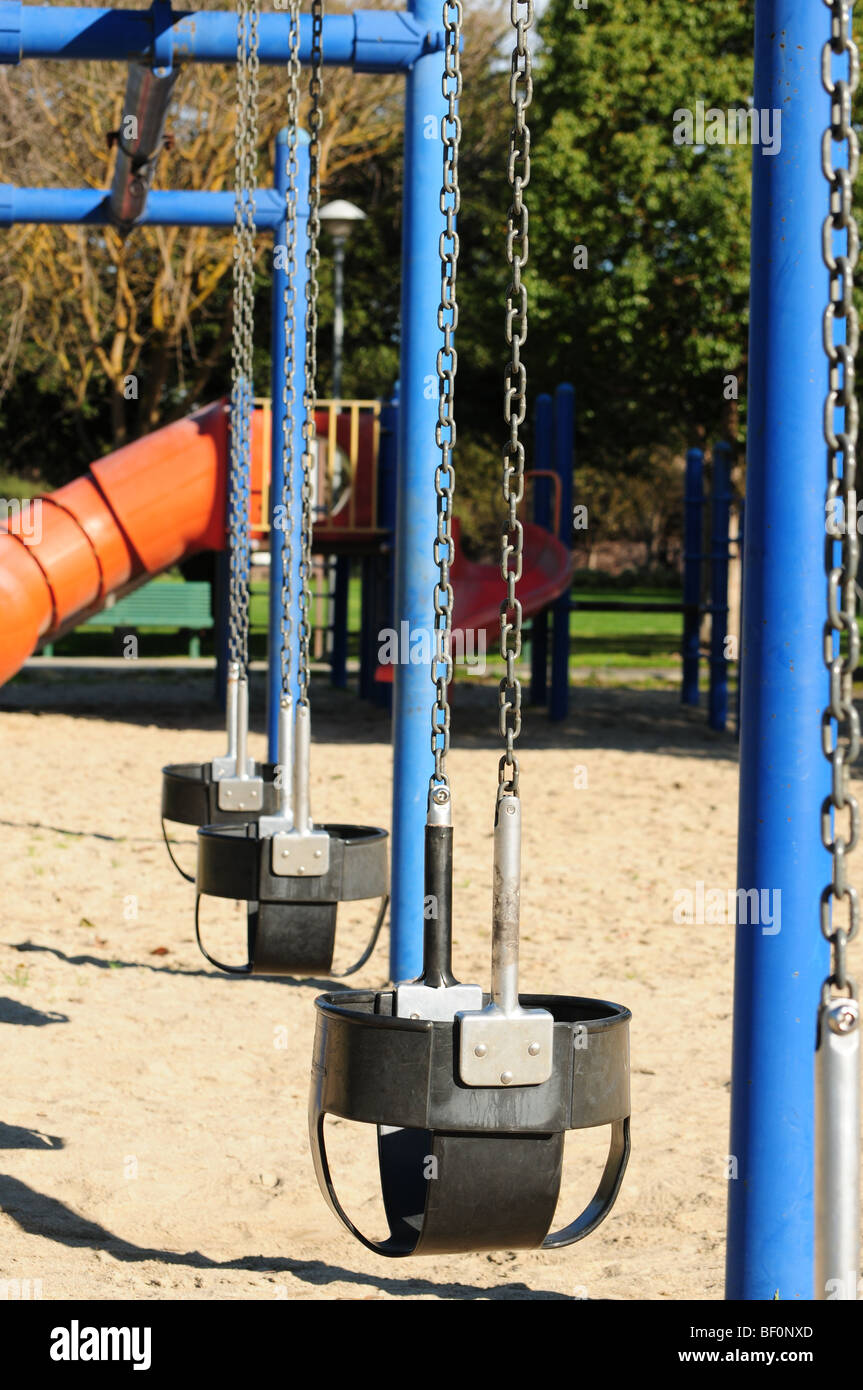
point(291, 938)
point(190, 878)
point(372, 941)
point(456, 1193)
point(605, 1195)
point(228, 969)
point(453, 1193)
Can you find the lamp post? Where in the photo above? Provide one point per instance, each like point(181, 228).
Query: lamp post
point(339, 218)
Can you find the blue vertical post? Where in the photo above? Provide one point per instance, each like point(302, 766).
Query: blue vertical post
point(415, 573)
point(542, 431)
point(278, 367)
point(720, 520)
point(564, 462)
point(693, 516)
point(784, 776)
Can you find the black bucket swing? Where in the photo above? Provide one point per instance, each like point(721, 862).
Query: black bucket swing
point(292, 873)
point(472, 1093)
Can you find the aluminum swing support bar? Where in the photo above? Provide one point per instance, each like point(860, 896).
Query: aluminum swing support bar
point(367, 40)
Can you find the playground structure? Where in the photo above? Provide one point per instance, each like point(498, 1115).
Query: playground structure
point(108, 532)
point(785, 777)
point(706, 562)
point(125, 537)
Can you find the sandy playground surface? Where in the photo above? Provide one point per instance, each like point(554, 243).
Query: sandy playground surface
point(153, 1126)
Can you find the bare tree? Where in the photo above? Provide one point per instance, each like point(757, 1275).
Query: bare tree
point(95, 309)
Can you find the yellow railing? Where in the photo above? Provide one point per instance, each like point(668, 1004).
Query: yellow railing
point(345, 478)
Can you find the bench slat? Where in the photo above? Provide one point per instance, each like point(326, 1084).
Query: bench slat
point(163, 604)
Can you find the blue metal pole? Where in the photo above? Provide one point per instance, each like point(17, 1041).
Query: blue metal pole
point(692, 543)
point(542, 516)
point(783, 774)
point(422, 224)
point(564, 463)
point(720, 518)
point(165, 207)
point(278, 369)
point(367, 40)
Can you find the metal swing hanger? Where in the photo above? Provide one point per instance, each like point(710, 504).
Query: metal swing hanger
point(293, 873)
point(502, 1044)
point(472, 1103)
point(234, 787)
point(298, 848)
point(837, 1056)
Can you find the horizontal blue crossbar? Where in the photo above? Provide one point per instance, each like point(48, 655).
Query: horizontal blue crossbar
point(164, 209)
point(367, 40)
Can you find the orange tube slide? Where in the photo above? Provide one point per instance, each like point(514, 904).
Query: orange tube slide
point(141, 509)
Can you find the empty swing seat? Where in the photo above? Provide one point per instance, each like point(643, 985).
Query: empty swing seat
point(466, 1168)
point(291, 919)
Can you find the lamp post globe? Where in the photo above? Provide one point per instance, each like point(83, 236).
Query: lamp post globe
point(339, 218)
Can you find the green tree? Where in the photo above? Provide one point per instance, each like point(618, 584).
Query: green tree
point(650, 328)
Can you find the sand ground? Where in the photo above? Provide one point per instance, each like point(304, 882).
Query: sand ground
point(153, 1126)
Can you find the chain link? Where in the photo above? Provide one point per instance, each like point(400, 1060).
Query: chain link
point(840, 723)
point(447, 366)
point(310, 395)
point(289, 300)
point(242, 344)
point(515, 394)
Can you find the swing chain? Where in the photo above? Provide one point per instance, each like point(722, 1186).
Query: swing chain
point(515, 394)
point(447, 366)
point(289, 327)
point(310, 396)
point(841, 746)
point(242, 344)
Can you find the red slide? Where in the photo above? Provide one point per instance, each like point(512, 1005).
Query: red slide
point(546, 572)
point(161, 499)
point(136, 512)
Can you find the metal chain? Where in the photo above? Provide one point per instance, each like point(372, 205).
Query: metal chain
point(289, 300)
point(515, 394)
point(310, 394)
point(840, 723)
point(242, 345)
point(447, 366)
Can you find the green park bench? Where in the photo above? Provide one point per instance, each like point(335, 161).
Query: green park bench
point(159, 604)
